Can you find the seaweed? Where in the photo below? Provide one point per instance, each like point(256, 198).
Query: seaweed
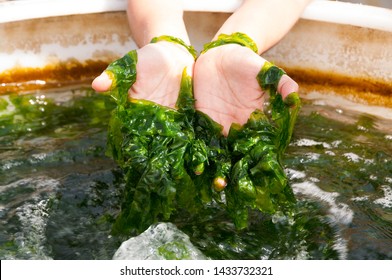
point(178, 160)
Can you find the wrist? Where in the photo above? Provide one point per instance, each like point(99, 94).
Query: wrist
point(235, 38)
point(179, 43)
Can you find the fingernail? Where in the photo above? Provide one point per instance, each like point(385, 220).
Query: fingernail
point(287, 86)
point(102, 82)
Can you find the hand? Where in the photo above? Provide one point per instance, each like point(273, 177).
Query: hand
point(159, 70)
point(225, 84)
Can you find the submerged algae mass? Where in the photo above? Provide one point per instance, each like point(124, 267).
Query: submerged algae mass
point(178, 160)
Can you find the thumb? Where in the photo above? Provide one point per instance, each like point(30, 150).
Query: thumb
point(286, 86)
point(102, 83)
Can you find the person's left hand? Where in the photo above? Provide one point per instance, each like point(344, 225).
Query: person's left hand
point(225, 85)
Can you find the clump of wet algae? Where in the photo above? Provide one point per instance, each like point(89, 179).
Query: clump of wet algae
point(179, 167)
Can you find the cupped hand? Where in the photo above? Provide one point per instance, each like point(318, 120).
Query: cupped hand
point(225, 85)
point(159, 71)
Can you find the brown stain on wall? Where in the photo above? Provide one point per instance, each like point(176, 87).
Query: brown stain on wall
point(74, 73)
point(362, 90)
point(65, 74)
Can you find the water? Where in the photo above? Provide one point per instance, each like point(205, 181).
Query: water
point(59, 193)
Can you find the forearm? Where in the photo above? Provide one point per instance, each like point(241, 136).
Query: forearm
point(265, 21)
point(152, 18)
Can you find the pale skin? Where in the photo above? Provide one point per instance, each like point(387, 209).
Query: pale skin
point(225, 85)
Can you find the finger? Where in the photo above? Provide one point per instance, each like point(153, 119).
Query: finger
point(102, 83)
point(286, 86)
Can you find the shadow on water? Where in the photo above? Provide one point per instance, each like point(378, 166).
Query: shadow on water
point(60, 194)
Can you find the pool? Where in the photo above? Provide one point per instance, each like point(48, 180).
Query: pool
point(60, 193)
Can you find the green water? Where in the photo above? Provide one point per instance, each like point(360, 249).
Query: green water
point(59, 193)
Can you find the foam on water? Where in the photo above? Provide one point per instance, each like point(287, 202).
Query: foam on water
point(160, 241)
point(309, 142)
point(352, 157)
point(360, 198)
point(330, 153)
point(295, 174)
point(340, 213)
point(311, 157)
point(39, 184)
point(336, 143)
point(31, 239)
point(385, 201)
point(32, 216)
point(341, 246)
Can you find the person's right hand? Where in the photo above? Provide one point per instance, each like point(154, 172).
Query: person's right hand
point(159, 71)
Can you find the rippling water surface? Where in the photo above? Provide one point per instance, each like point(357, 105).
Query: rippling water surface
point(59, 193)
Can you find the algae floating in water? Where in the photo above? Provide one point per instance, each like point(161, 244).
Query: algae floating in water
point(179, 160)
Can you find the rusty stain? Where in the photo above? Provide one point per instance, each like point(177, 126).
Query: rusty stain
point(74, 73)
point(363, 90)
point(71, 72)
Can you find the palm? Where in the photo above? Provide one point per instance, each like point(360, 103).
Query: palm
point(225, 84)
point(159, 70)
